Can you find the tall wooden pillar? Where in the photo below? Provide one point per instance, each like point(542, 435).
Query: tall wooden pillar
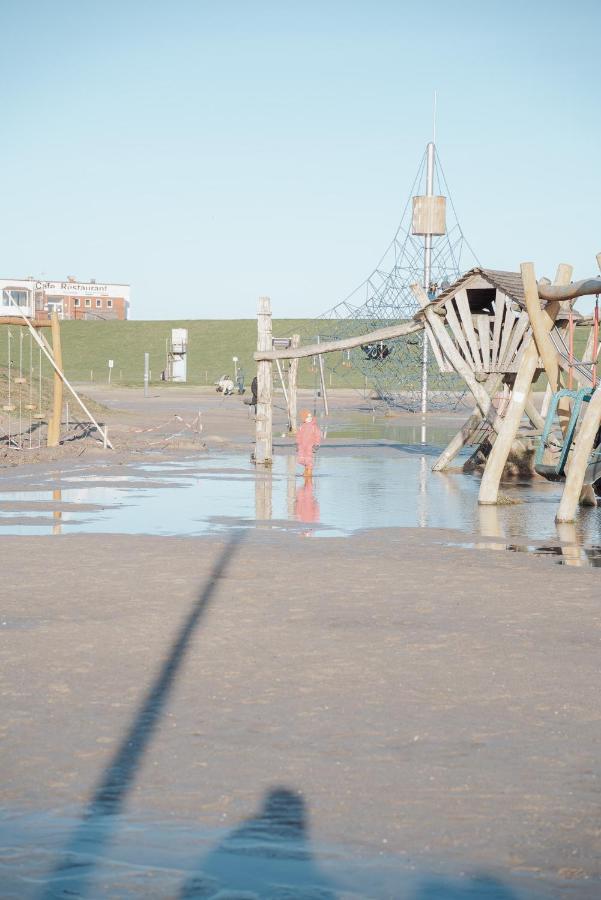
point(292, 385)
point(54, 425)
point(264, 417)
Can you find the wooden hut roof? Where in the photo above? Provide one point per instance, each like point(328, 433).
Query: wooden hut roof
point(510, 283)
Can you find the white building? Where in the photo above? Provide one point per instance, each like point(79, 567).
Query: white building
point(71, 299)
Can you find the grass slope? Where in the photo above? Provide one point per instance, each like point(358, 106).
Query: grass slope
point(88, 345)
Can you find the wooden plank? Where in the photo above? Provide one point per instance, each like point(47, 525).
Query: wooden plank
point(518, 333)
point(500, 303)
point(483, 326)
point(457, 333)
point(18, 320)
point(292, 386)
point(509, 322)
point(372, 337)
point(465, 314)
point(443, 365)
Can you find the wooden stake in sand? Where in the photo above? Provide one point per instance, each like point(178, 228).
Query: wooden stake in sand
point(47, 351)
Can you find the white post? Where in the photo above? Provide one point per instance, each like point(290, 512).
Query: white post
point(264, 416)
point(146, 371)
point(427, 273)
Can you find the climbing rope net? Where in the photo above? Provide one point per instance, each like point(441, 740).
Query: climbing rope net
point(393, 370)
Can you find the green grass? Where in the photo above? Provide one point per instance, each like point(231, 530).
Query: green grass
point(87, 347)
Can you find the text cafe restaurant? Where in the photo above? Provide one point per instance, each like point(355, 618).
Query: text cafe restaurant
point(71, 299)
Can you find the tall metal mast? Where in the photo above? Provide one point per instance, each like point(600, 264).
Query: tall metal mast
point(427, 270)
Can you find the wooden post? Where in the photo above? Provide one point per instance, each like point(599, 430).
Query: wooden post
point(54, 425)
point(292, 383)
point(579, 460)
point(495, 464)
point(470, 427)
point(324, 393)
point(264, 417)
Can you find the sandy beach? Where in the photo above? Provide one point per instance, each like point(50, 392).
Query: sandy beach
point(263, 710)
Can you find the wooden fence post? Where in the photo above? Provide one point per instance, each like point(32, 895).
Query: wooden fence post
point(292, 383)
point(54, 425)
point(264, 417)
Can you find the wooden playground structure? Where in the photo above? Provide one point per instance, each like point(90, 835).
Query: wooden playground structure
point(499, 331)
point(23, 402)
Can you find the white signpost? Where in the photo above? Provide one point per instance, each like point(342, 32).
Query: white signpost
point(111, 364)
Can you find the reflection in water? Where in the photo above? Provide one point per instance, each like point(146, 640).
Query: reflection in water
point(306, 507)
point(263, 495)
point(268, 856)
point(57, 514)
point(388, 488)
point(567, 534)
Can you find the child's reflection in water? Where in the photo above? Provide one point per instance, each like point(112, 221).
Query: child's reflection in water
point(306, 507)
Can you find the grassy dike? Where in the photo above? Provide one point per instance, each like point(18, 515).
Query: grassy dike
point(88, 345)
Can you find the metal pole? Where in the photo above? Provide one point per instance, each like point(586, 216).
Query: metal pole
point(146, 371)
point(427, 272)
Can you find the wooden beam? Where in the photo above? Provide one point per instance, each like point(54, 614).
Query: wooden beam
point(468, 429)
point(495, 464)
point(569, 292)
point(264, 415)
point(54, 425)
point(585, 440)
point(372, 337)
point(500, 302)
point(292, 385)
point(465, 314)
point(18, 320)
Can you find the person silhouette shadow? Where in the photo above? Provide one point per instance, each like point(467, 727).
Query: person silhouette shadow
point(267, 856)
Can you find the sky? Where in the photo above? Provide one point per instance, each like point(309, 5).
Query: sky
point(214, 151)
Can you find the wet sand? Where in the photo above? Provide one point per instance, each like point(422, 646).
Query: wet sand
point(263, 713)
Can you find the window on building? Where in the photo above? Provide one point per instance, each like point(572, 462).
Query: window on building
point(98, 304)
point(20, 297)
point(88, 302)
point(109, 304)
point(76, 301)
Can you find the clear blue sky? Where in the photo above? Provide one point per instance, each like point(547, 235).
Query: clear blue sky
point(208, 152)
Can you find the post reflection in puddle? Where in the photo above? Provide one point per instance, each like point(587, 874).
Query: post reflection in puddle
point(264, 495)
point(390, 487)
point(571, 552)
point(57, 515)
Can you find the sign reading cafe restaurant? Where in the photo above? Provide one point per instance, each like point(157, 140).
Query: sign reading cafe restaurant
point(70, 299)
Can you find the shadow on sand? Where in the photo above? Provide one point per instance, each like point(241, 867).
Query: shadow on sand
point(71, 874)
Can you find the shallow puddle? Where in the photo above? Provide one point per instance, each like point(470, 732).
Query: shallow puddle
point(269, 855)
point(372, 488)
